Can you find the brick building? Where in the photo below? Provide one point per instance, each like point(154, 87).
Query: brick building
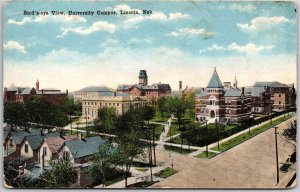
point(283, 96)
point(225, 104)
point(21, 94)
point(152, 92)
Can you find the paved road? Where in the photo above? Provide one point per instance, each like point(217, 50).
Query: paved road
point(251, 164)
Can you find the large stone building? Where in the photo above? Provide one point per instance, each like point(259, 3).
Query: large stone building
point(120, 101)
point(283, 96)
point(152, 92)
point(21, 94)
point(92, 91)
point(222, 103)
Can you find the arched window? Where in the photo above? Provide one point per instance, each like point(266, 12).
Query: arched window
point(212, 114)
point(212, 100)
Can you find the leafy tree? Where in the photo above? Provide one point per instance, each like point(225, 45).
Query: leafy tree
point(129, 129)
point(162, 106)
point(190, 103)
point(61, 174)
point(105, 162)
point(15, 114)
point(106, 119)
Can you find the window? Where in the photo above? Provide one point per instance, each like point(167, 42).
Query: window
point(279, 95)
point(44, 151)
point(26, 148)
point(66, 155)
point(279, 102)
point(117, 104)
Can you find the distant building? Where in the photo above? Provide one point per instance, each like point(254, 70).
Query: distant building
point(120, 101)
point(152, 92)
point(283, 96)
point(21, 94)
point(215, 102)
point(92, 91)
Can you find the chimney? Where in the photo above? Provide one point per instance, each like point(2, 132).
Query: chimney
point(115, 93)
point(180, 85)
point(243, 91)
point(42, 91)
point(67, 92)
point(42, 133)
point(37, 85)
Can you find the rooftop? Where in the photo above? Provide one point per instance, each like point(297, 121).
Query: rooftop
point(215, 81)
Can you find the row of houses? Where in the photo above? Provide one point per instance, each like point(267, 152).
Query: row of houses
point(35, 149)
point(229, 103)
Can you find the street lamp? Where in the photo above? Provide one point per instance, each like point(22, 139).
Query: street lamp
point(217, 127)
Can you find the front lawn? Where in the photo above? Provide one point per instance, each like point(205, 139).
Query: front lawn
point(253, 132)
point(167, 172)
point(142, 184)
point(203, 155)
point(178, 149)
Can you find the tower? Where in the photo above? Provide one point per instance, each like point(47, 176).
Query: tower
point(214, 98)
point(37, 85)
point(143, 78)
point(235, 83)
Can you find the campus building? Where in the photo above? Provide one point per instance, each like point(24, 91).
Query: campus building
point(120, 101)
point(222, 103)
point(151, 92)
point(283, 96)
point(92, 91)
point(21, 94)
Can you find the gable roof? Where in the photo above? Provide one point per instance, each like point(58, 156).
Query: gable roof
point(35, 141)
point(19, 135)
point(80, 148)
point(215, 81)
point(55, 143)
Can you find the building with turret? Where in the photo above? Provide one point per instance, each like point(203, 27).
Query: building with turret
point(222, 103)
point(151, 92)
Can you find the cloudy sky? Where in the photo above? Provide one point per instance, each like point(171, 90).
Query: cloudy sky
point(254, 41)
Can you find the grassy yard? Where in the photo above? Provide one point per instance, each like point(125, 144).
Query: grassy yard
point(167, 172)
point(243, 137)
point(158, 118)
point(142, 184)
point(203, 155)
point(178, 149)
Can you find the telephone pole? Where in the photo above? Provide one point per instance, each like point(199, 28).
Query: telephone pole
point(276, 133)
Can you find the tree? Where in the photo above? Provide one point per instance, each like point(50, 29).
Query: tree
point(15, 114)
point(129, 129)
point(162, 106)
point(190, 103)
point(61, 174)
point(106, 119)
point(106, 161)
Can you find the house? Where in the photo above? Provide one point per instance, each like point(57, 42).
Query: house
point(50, 146)
point(151, 92)
point(13, 141)
point(222, 103)
point(31, 145)
point(81, 151)
point(260, 99)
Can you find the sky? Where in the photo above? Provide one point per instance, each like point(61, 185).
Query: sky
point(254, 41)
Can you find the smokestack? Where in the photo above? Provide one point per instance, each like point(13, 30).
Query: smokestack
point(243, 90)
point(37, 85)
point(115, 94)
point(42, 91)
point(67, 92)
point(180, 85)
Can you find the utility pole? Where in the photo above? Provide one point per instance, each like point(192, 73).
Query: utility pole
point(85, 123)
point(206, 138)
point(270, 113)
point(276, 133)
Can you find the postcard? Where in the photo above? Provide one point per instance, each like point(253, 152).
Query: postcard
point(149, 94)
